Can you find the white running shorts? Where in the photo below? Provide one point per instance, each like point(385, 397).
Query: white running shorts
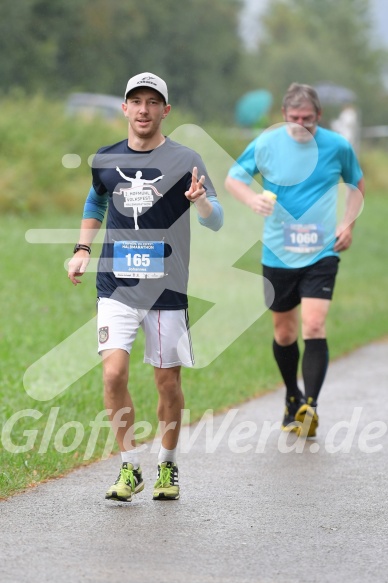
point(167, 334)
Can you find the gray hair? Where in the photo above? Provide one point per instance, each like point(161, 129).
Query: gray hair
point(297, 94)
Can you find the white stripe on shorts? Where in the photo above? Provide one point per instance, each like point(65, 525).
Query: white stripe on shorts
point(167, 333)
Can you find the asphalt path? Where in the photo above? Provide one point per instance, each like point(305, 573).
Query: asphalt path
point(255, 507)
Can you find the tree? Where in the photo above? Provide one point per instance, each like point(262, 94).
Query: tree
point(32, 35)
point(309, 41)
point(96, 45)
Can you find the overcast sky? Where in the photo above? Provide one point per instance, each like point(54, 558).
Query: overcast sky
point(251, 31)
point(380, 14)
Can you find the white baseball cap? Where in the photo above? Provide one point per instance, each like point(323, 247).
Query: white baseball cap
point(147, 80)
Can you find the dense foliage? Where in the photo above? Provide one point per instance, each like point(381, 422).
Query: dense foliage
point(96, 45)
point(54, 47)
point(311, 41)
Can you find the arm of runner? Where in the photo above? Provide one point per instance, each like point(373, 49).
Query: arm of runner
point(122, 174)
point(210, 213)
point(93, 215)
point(197, 190)
point(215, 220)
point(80, 260)
point(354, 204)
point(261, 204)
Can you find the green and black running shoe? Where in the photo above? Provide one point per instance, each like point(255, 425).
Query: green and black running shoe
point(307, 418)
point(167, 485)
point(129, 481)
point(293, 404)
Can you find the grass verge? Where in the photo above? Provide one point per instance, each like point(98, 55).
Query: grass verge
point(44, 439)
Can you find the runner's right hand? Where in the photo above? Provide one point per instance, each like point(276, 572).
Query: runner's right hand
point(77, 266)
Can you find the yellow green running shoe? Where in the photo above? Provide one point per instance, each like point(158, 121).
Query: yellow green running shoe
point(308, 417)
point(129, 481)
point(167, 485)
point(292, 406)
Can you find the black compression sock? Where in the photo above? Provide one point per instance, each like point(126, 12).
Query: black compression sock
point(287, 359)
point(314, 366)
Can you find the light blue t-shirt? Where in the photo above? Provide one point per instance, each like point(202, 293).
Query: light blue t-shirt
point(305, 178)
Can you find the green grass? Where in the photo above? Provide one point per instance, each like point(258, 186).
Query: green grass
point(41, 309)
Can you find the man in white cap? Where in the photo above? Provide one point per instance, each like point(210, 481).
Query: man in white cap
point(147, 182)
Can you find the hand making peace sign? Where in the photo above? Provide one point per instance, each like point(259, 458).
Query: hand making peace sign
point(197, 188)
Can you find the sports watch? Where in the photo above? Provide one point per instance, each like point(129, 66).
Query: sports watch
point(79, 246)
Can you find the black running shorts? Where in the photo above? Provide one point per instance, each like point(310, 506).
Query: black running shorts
point(290, 285)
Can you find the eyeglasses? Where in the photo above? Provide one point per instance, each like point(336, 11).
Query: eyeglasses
point(306, 123)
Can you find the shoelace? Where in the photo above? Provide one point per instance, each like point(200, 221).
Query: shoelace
point(165, 477)
point(127, 476)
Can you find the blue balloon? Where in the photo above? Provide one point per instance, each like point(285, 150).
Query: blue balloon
point(252, 106)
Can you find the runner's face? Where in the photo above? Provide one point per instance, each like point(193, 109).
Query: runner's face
point(302, 121)
point(145, 110)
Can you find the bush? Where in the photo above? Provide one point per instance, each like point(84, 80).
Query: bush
point(36, 135)
point(373, 162)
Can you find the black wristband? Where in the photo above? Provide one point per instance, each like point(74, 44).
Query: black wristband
point(78, 246)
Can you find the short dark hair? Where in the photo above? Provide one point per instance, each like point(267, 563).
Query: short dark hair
point(137, 89)
point(298, 93)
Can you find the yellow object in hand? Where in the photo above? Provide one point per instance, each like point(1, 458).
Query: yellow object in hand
point(271, 195)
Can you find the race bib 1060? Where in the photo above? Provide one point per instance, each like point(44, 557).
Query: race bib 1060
point(303, 238)
point(138, 259)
